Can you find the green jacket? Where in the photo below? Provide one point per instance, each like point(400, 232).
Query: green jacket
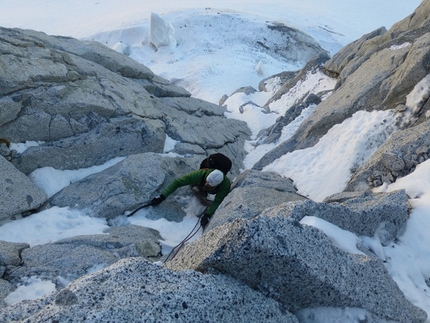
point(198, 178)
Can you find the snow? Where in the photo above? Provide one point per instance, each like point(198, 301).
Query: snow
point(208, 48)
point(52, 225)
point(20, 147)
point(419, 95)
point(52, 180)
point(202, 37)
point(342, 239)
point(30, 288)
point(161, 32)
point(408, 258)
point(319, 171)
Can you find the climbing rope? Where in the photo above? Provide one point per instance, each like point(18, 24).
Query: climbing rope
point(186, 239)
point(181, 244)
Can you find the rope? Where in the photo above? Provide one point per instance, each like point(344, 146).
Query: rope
point(181, 244)
point(186, 239)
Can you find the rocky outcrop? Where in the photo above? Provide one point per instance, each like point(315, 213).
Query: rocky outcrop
point(86, 104)
point(251, 193)
point(376, 72)
point(81, 96)
point(314, 64)
point(69, 259)
point(130, 183)
point(10, 256)
point(297, 265)
point(18, 193)
point(396, 158)
point(10, 253)
point(273, 133)
point(5, 289)
point(381, 215)
point(413, 31)
point(134, 290)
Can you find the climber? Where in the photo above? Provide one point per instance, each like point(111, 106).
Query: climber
point(206, 181)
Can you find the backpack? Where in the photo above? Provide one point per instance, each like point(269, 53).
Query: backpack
point(217, 161)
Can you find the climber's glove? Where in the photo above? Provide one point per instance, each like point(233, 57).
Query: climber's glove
point(157, 200)
point(204, 220)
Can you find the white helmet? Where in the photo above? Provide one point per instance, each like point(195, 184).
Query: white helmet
point(215, 178)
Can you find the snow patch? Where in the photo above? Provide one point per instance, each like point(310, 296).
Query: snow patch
point(319, 171)
point(21, 147)
point(404, 45)
point(169, 144)
point(51, 180)
point(342, 239)
point(122, 48)
point(419, 95)
point(30, 288)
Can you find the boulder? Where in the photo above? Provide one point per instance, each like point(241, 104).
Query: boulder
point(397, 157)
point(381, 215)
point(251, 193)
point(297, 46)
point(297, 265)
point(10, 253)
point(134, 290)
point(5, 289)
point(71, 258)
point(22, 195)
point(126, 185)
point(79, 97)
point(115, 137)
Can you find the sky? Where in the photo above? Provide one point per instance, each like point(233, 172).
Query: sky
point(196, 59)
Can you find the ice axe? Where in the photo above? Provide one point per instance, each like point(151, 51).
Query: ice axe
point(139, 208)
